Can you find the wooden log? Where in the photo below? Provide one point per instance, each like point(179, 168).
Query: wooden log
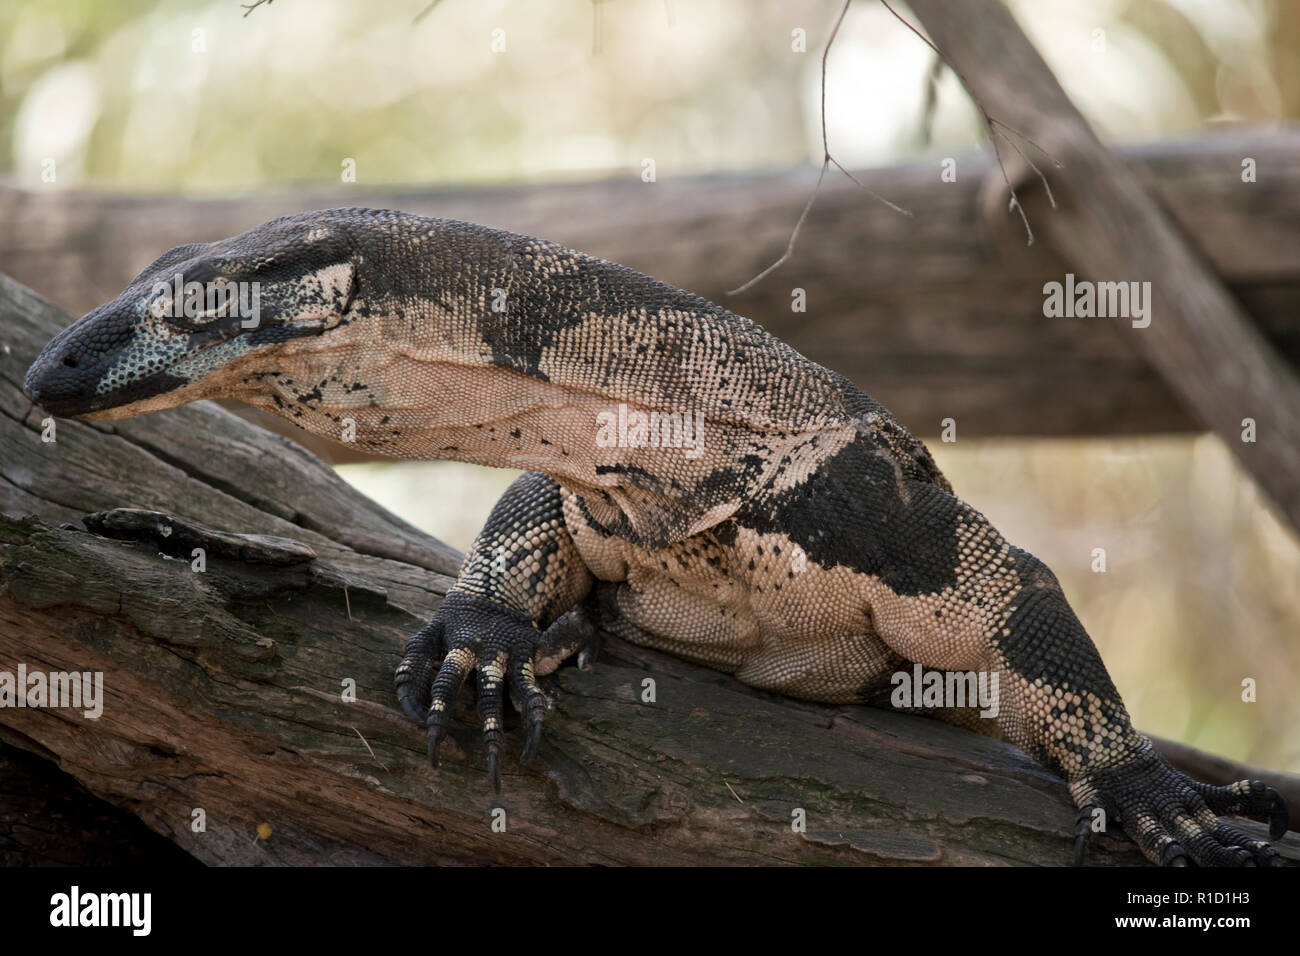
point(224, 689)
point(937, 315)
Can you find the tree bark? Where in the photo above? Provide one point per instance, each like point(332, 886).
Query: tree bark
point(937, 315)
point(224, 689)
point(1111, 228)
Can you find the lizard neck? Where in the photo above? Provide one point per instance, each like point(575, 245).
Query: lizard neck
point(505, 350)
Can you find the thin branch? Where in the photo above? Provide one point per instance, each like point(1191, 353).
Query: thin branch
point(836, 163)
point(1015, 200)
point(789, 249)
point(425, 12)
point(827, 160)
point(931, 104)
point(368, 747)
point(992, 125)
point(1011, 129)
point(597, 26)
point(250, 7)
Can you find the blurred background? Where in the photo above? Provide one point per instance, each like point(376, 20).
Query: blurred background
point(192, 97)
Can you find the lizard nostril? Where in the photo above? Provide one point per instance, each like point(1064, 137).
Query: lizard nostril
point(70, 361)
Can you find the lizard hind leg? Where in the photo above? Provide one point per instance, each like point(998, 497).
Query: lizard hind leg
point(950, 593)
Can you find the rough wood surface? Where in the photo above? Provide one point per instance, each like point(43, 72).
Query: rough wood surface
point(1111, 227)
point(224, 688)
point(937, 315)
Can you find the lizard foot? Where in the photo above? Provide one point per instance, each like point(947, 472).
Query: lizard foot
point(1174, 818)
point(505, 650)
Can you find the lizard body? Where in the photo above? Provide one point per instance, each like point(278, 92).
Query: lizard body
point(692, 484)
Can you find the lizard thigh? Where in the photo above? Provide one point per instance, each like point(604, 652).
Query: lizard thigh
point(654, 611)
point(834, 669)
point(731, 598)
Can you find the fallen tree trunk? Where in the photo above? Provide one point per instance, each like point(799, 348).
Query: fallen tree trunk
point(937, 314)
point(225, 689)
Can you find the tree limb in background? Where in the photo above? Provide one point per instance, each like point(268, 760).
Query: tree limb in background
point(946, 307)
point(827, 160)
point(995, 128)
point(1111, 228)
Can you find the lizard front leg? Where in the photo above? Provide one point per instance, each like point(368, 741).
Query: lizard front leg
point(513, 613)
point(972, 601)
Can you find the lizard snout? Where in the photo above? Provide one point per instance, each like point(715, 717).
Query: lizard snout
point(60, 377)
point(67, 376)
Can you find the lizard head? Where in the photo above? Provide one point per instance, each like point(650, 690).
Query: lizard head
point(191, 323)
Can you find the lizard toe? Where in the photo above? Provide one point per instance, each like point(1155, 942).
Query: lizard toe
point(491, 679)
point(451, 676)
point(1248, 798)
point(1260, 852)
point(420, 661)
point(1172, 854)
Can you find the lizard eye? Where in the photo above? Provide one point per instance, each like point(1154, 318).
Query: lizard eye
point(199, 304)
point(213, 308)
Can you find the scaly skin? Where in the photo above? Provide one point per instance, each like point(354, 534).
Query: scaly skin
point(796, 536)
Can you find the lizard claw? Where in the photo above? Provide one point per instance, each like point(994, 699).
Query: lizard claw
point(531, 701)
point(1173, 855)
point(1083, 831)
point(1174, 819)
point(471, 633)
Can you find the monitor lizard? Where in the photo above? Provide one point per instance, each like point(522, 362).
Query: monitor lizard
point(691, 483)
